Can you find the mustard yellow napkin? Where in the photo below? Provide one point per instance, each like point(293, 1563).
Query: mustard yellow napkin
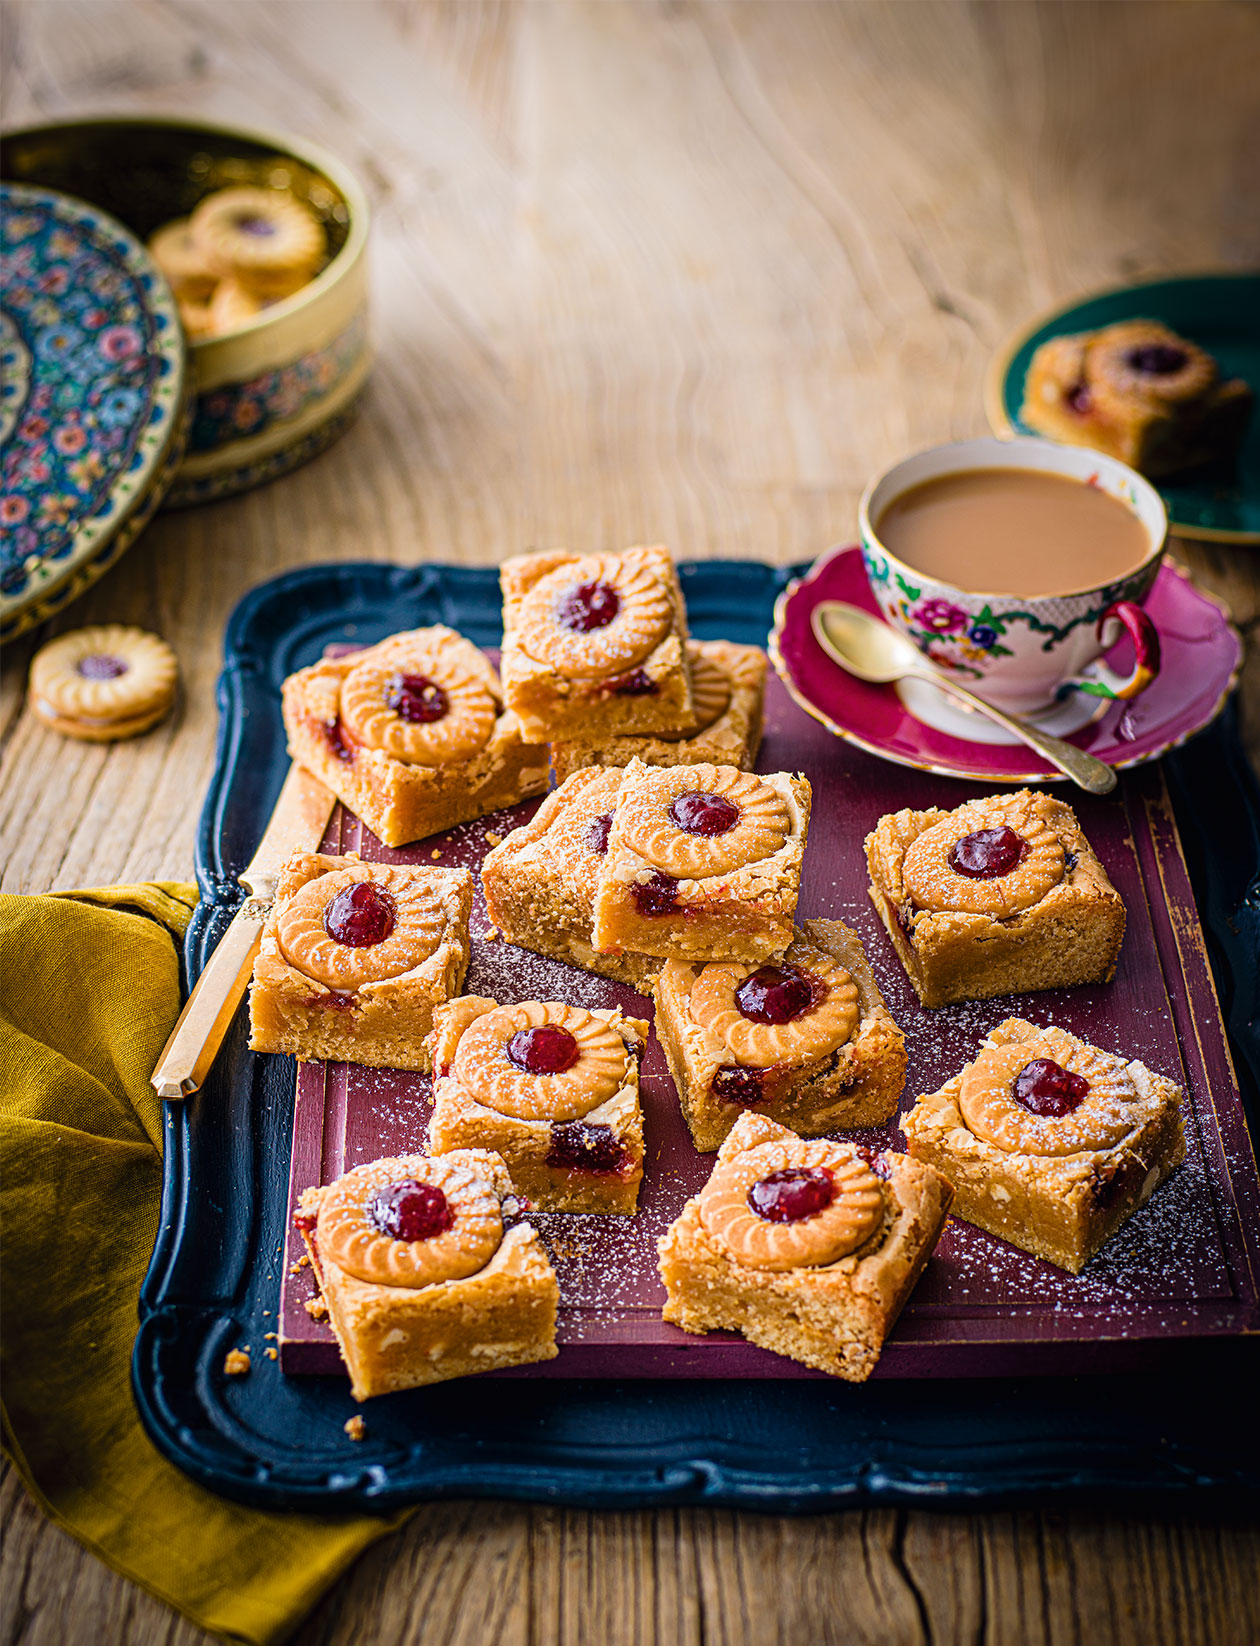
point(90, 991)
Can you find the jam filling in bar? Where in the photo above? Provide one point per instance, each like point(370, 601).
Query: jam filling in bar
point(1000, 896)
point(552, 1088)
point(412, 734)
point(1050, 1143)
point(805, 1040)
point(428, 1272)
point(355, 957)
point(807, 1248)
point(595, 645)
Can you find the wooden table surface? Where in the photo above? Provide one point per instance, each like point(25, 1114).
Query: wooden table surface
point(652, 271)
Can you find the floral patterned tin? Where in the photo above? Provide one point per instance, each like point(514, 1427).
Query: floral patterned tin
point(269, 394)
point(93, 411)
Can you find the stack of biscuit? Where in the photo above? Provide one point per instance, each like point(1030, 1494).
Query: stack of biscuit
point(241, 251)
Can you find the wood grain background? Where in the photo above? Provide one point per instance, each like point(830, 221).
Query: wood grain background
point(668, 271)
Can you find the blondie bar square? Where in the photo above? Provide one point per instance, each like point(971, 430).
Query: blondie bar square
point(1000, 896)
point(704, 863)
point(412, 734)
point(1139, 392)
point(594, 645)
point(354, 958)
point(805, 1040)
point(808, 1249)
point(552, 1088)
point(426, 1271)
point(1050, 1143)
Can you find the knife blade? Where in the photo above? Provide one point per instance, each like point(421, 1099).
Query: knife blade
point(296, 824)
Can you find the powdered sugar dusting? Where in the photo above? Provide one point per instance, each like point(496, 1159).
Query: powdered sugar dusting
point(1161, 1274)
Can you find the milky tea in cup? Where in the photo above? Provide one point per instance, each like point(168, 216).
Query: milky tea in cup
point(1014, 564)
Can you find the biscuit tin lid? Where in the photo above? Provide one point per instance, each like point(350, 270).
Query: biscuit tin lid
point(93, 407)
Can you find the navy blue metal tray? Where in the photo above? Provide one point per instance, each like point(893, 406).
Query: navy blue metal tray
point(278, 1442)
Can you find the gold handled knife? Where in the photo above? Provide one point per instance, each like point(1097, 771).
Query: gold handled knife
point(297, 824)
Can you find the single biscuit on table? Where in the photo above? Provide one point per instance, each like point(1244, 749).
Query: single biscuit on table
point(808, 1249)
point(728, 684)
point(428, 1272)
point(594, 645)
point(356, 957)
point(552, 1088)
point(1000, 896)
point(540, 879)
point(704, 863)
point(412, 734)
point(103, 684)
point(805, 1040)
point(1050, 1143)
point(265, 238)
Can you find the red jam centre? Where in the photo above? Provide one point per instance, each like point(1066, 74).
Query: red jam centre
point(360, 915)
point(416, 699)
point(638, 683)
point(579, 1147)
point(260, 227)
point(778, 994)
point(1157, 359)
point(101, 666)
point(410, 1210)
point(597, 834)
point(1045, 1087)
point(704, 814)
point(545, 1050)
point(339, 742)
point(589, 606)
point(988, 854)
point(796, 1192)
point(656, 895)
point(732, 1084)
point(876, 1159)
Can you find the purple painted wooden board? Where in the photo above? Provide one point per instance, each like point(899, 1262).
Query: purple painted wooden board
point(1184, 1266)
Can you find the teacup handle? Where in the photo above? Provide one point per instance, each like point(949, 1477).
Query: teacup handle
point(1146, 655)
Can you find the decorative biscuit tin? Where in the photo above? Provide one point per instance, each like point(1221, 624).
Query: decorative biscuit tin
point(271, 393)
point(93, 408)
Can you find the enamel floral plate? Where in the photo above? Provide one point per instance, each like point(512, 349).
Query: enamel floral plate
point(92, 418)
point(1202, 652)
point(1219, 312)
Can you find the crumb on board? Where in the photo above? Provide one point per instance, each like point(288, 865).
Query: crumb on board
point(236, 1363)
point(492, 933)
point(271, 1354)
point(356, 1428)
point(316, 1308)
point(270, 1336)
point(435, 854)
point(493, 839)
point(303, 1262)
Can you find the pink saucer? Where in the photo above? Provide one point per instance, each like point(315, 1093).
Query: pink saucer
point(1202, 652)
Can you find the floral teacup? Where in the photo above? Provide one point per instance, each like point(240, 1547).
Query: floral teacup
point(1025, 655)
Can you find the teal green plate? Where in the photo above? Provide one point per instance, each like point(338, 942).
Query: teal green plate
point(1219, 312)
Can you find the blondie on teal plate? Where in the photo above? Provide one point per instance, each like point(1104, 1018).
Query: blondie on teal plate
point(1219, 312)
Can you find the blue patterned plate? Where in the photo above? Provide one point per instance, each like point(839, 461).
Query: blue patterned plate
point(1221, 313)
point(92, 410)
